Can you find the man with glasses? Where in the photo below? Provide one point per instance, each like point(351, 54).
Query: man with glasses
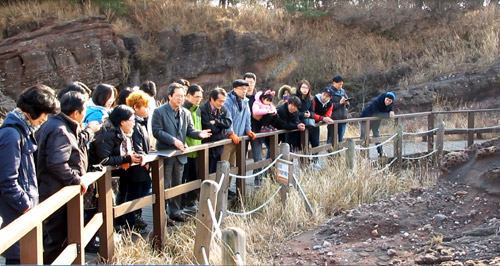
point(193, 99)
point(172, 123)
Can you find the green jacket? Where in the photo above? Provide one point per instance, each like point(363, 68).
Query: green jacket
point(196, 115)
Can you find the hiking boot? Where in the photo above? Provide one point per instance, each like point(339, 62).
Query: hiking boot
point(139, 222)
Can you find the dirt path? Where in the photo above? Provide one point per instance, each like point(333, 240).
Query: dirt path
point(455, 222)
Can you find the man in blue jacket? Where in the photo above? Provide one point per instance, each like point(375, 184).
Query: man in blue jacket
point(380, 107)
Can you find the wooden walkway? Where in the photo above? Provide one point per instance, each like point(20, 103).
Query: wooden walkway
point(409, 149)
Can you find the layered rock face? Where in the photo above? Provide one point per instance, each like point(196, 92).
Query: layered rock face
point(86, 49)
point(204, 58)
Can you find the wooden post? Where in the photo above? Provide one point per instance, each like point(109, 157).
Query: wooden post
point(32, 246)
point(439, 141)
point(105, 206)
point(366, 137)
point(399, 145)
point(470, 125)
point(285, 150)
point(222, 169)
point(234, 239)
point(304, 144)
point(241, 163)
point(273, 143)
point(158, 189)
point(334, 136)
point(351, 151)
point(204, 222)
point(430, 136)
point(75, 226)
point(203, 164)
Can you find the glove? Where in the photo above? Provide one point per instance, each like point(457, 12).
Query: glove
point(251, 134)
point(234, 137)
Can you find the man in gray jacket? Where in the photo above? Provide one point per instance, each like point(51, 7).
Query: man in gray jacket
point(171, 124)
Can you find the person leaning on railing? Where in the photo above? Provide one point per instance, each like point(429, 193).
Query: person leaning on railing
point(61, 162)
point(18, 184)
point(288, 118)
point(214, 117)
point(380, 107)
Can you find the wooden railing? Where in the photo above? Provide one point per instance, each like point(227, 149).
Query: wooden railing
point(28, 228)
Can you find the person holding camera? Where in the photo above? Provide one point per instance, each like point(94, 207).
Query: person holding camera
point(305, 112)
point(340, 102)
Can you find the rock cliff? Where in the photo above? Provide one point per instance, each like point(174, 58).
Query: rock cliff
point(86, 49)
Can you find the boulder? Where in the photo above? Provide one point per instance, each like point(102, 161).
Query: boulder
point(86, 49)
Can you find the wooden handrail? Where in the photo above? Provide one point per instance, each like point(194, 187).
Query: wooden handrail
point(28, 221)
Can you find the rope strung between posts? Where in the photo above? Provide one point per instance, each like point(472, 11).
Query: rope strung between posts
point(302, 192)
point(239, 260)
point(317, 155)
point(258, 208)
point(420, 133)
point(219, 185)
point(204, 253)
point(260, 172)
point(378, 145)
point(214, 220)
point(420, 157)
point(479, 128)
point(387, 165)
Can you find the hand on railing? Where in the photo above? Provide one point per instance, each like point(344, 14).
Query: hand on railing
point(301, 127)
point(251, 134)
point(234, 138)
point(84, 187)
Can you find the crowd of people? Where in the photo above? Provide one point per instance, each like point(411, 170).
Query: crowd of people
point(50, 141)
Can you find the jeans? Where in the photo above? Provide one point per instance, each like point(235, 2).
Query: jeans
point(136, 190)
point(374, 126)
point(341, 132)
point(314, 136)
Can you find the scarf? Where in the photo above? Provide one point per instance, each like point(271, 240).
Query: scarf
point(19, 114)
point(238, 101)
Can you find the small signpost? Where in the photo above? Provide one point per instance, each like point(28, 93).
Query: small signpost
point(284, 170)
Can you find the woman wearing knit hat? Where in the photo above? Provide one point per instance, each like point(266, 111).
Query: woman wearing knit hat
point(380, 107)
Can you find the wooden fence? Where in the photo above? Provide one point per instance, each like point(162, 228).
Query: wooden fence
point(28, 228)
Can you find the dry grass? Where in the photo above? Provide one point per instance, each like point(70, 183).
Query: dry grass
point(330, 191)
point(350, 41)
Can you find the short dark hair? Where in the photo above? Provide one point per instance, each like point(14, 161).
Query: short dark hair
point(250, 75)
point(214, 94)
point(148, 87)
point(37, 100)
point(295, 101)
point(194, 88)
point(172, 87)
point(102, 93)
point(120, 113)
point(74, 86)
point(122, 96)
point(73, 101)
point(266, 96)
point(183, 82)
point(337, 79)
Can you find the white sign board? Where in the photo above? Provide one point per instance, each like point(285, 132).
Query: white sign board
point(283, 170)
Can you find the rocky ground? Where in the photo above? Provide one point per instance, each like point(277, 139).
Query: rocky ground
point(455, 222)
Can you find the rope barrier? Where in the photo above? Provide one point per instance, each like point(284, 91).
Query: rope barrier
point(260, 172)
point(420, 157)
point(421, 133)
point(204, 253)
point(239, 259)
point(317, 155)
point(378, 145)
point(258, 208)
point(387, 165)
point(303, 194)
point(480, 128)
point(214, 220)
point(219, 185)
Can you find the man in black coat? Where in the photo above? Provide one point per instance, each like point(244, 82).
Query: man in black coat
point(288, 118)
point(61, 162)
point(214, 117)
